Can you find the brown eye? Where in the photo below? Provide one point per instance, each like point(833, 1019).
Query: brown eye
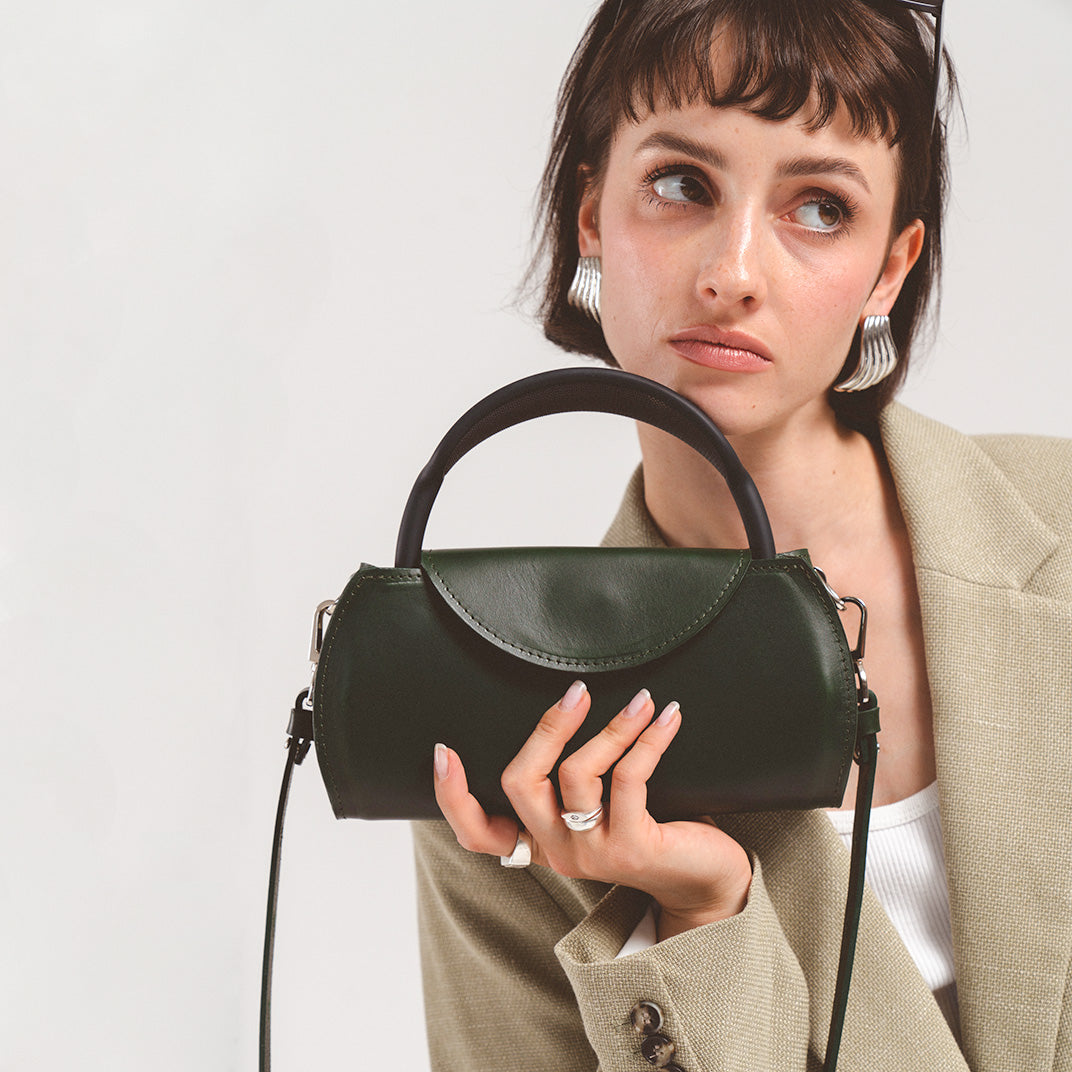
point(829, 215)
point(820, 215)
point(684, 189)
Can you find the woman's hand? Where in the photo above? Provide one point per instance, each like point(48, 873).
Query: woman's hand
point(695, 872)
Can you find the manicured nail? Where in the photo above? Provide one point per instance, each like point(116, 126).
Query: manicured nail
point(573, 696)
point(668, 713)
point(636, 704)
point(441, 761)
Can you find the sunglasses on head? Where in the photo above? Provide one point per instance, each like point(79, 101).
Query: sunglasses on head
point(934, 9)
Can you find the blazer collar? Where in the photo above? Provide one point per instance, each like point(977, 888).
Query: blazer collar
point(965, 517)
point(633, 526)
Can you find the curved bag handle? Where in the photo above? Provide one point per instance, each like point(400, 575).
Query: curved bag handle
point(596, 390)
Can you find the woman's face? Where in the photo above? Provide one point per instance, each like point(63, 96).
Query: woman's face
point(740, 254)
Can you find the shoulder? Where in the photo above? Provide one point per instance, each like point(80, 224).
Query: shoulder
point(1038, 468)
point(1041, 469)
point(992, 509)
point(1013, 452)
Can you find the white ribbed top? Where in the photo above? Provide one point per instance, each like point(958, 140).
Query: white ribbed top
point(906, 870)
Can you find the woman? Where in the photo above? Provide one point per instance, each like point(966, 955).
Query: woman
point(753, 180)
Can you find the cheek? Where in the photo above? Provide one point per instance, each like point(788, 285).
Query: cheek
point(832, 295)
point(639, 281)
point(639, 261)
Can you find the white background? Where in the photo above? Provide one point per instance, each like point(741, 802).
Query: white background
point(256, 256)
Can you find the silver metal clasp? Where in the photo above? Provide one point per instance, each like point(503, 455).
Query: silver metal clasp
point(316, 642)
point(838, 601)
point(857, 652)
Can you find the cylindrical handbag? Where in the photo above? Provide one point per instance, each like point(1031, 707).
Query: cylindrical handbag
point(470, 646)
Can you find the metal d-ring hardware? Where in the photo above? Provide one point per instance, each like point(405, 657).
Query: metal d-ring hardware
point(861, 637)
point(838, 601)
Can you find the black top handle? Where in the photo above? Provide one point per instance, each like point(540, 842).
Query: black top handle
point(595, 390)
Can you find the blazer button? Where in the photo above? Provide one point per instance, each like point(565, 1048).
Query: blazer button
point(646, 1017)
point(657, 1050)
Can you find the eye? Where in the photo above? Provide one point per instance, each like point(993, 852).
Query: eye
point(677, 187)
point(823, 214)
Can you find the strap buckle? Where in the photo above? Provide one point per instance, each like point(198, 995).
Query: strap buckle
point(300, 726)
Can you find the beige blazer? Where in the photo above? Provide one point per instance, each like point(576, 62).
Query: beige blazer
point(519, 966)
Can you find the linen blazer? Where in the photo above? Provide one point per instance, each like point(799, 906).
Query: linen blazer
point(519, 966)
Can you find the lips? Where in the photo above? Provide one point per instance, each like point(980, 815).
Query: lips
point(729, 351)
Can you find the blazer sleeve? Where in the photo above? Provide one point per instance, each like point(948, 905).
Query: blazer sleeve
point(521, 971)
point(730, 995)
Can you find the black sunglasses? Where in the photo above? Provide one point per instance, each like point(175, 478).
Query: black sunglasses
point(933, 8)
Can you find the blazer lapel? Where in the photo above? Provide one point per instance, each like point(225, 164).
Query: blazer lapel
point(997, 657)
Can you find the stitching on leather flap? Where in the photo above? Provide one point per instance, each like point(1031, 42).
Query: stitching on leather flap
point(601, 661)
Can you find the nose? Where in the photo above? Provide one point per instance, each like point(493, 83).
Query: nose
point(731, 267)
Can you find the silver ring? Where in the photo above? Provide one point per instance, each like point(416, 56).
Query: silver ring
point(522, 854)
point(583, 820)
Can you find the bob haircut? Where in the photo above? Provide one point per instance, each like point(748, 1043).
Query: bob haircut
point(873, 58)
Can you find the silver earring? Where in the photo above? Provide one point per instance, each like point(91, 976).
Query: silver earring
point(878, 355)
point(583, 293)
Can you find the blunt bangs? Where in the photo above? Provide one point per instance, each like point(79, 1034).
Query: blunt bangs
point(775, 60)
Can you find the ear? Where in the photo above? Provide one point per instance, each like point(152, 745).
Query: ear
point(588, 242)
point(903, 254)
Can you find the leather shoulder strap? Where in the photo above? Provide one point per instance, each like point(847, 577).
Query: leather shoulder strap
point(299, 738)
point(866, 756)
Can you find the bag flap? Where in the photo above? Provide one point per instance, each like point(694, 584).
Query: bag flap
point(586, 608)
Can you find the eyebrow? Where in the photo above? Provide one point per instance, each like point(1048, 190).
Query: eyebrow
point(679, 143)
point(798, 167)
point(802, 166)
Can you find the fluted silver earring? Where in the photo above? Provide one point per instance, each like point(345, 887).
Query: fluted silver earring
point(583, 293)
point(878, 355)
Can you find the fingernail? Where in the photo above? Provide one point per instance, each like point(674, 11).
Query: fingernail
point(573, 696)
point(440, 761)
point(668, 713)
point(636, 704)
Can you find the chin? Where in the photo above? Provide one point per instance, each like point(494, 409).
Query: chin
point(739, 404)
point(736, 408)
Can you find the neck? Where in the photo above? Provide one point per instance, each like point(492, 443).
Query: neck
point(825, 488)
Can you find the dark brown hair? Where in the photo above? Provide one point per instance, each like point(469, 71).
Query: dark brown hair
point(872, 58)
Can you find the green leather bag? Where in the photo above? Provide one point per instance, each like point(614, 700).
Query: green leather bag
point(469, 647)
